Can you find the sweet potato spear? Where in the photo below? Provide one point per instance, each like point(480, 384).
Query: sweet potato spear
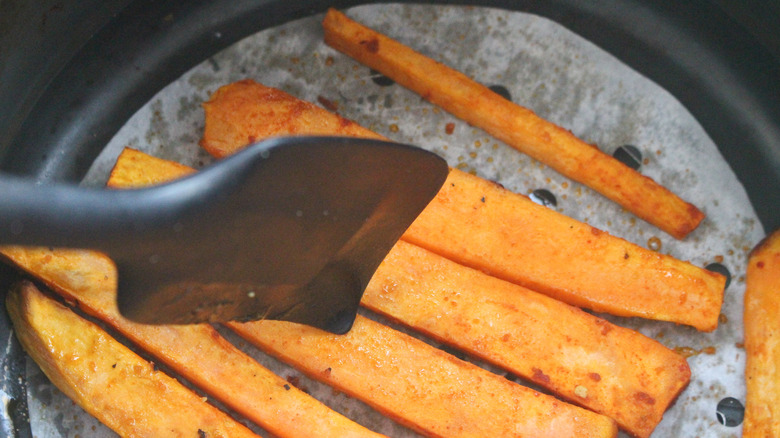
point(481, 225)
point(197, 352)
point(586, 360)
point(609, 369)
point(762, 340)
point(417, 378)
point(421, 386)
point(105, 378)
point(515, 125)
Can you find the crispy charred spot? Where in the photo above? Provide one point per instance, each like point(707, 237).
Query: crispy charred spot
point(345, 123)
point(596, 377)
point(328, 104)
point(644, 397)
point(296, 382)
point(498, 184)
point(202, 433)
point(625, 256)
point(605, 326)
point(371, 45)
point(540, 376)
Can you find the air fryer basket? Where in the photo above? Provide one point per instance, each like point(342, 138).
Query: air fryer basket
point(71, 73)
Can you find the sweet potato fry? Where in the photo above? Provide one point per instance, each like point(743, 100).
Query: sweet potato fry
point(391, 403)
point(197, 352)
point(762, 340)
point(119, 388)
point(517, 126)
point(609, 369)
point(420, 386)
point(244, 112)
point(481, 225)
point(511, 237)
point(587, 360)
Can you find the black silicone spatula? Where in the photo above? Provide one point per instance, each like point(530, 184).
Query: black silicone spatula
point(291, 228)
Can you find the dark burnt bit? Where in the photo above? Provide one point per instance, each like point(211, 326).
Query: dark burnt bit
point(606, 327)
point(328, 104)
point(371, 45)
point(644, 397)
point(625, 256)
point(202, 433)
point(596, 377)
point(326, 373)
point(296, 382)
point(498, 184)
point(539, 376)
point(287, 386)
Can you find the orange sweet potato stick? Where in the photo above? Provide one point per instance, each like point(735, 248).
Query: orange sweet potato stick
point(762, 340)
point(587, 360)
point(421, 386)
point(134, 166)
point(197, 352)
point(606, 368)
point(481, 225)
point(513, 124)
point(108, 380)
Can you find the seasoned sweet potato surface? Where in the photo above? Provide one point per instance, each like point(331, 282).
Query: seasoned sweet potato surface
point(519, 127)
point(762, 340)
point(580, 357)
point(479, 224)
point(587, 360)
point(197, 352)
point(421, 386)
point(119, 388)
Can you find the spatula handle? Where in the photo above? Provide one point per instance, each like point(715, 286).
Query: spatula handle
point(66, 215)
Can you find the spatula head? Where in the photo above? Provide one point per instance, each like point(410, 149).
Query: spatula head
point(290, 229)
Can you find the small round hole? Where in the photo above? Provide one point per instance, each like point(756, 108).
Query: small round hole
point(730, 412)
